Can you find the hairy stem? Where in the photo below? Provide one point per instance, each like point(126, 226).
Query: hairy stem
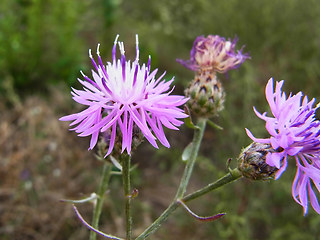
point(197, 138)
point(125, 161)
point(106, 172)
point(158, 222)
point(228, 178)
point(196, 142)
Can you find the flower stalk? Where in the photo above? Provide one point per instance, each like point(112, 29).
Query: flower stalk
point(106, 173)
point(197, 138)
point(233, 175)
point(125, 161)
point(228, 178)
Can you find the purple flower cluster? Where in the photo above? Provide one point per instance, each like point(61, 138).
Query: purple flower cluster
point(214, 54)
point(294, 131)
point(123, 96)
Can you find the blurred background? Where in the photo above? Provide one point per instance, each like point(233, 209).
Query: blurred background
point(43, 46)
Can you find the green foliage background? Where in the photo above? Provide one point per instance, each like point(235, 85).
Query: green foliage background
point(45, 42)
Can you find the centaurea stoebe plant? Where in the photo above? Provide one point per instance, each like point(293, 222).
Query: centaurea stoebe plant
point(294, 131)
point(210, 55)
point(122, 96)
point(124, 101)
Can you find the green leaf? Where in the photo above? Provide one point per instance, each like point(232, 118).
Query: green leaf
point(188, 120)
point(115, 162)
point(189, 123)
point(214, 125)
point(187, 152)
point(92, 197)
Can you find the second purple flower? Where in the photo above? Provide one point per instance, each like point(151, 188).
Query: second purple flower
point(214, 54)
point(210, 55)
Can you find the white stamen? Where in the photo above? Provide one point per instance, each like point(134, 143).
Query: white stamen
point(121, 47)
point(90, 55)
point(149, 62)
point(228, 45)
point(137, 48)
point(98, 52)
point(116, 40)
point(82, 73)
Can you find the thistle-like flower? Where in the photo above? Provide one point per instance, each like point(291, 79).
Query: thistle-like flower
point(123, 96)
point(207, 57)
point(214, 54)
point(294, 131)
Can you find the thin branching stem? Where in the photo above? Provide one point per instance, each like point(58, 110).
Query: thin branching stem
point(106, 173)
point(125, 161)
point(196, 142)
point(228, 178)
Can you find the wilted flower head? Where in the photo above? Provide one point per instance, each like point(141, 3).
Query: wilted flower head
point(294, 131)
point(252, 162)
point(122, 96)
point(214, 54)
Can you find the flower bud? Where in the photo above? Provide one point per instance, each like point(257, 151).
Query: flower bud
point(252, 162)
point(206, 95)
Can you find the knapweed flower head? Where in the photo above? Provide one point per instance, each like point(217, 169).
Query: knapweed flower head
point(214, 54)
point(294, 131)
point(122, 97)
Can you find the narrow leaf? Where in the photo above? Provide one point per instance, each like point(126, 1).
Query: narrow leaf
point(116, 163)
point(92, 228)
point(93, 196)
point(214, 125)
point(187, 152)
point(200, 218)
point(188, 120)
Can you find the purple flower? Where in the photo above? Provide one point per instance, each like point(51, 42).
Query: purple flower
point(295, 132)
point(123, 96)
point(214, 53)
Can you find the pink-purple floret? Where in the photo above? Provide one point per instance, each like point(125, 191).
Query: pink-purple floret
point(122, 96)
point(294, 131)
point(223, 56)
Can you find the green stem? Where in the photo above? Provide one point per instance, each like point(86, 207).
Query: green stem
point(125, 161)
point(228, 178)
point(158, 222)
point(101, 194)
point(197, 138)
